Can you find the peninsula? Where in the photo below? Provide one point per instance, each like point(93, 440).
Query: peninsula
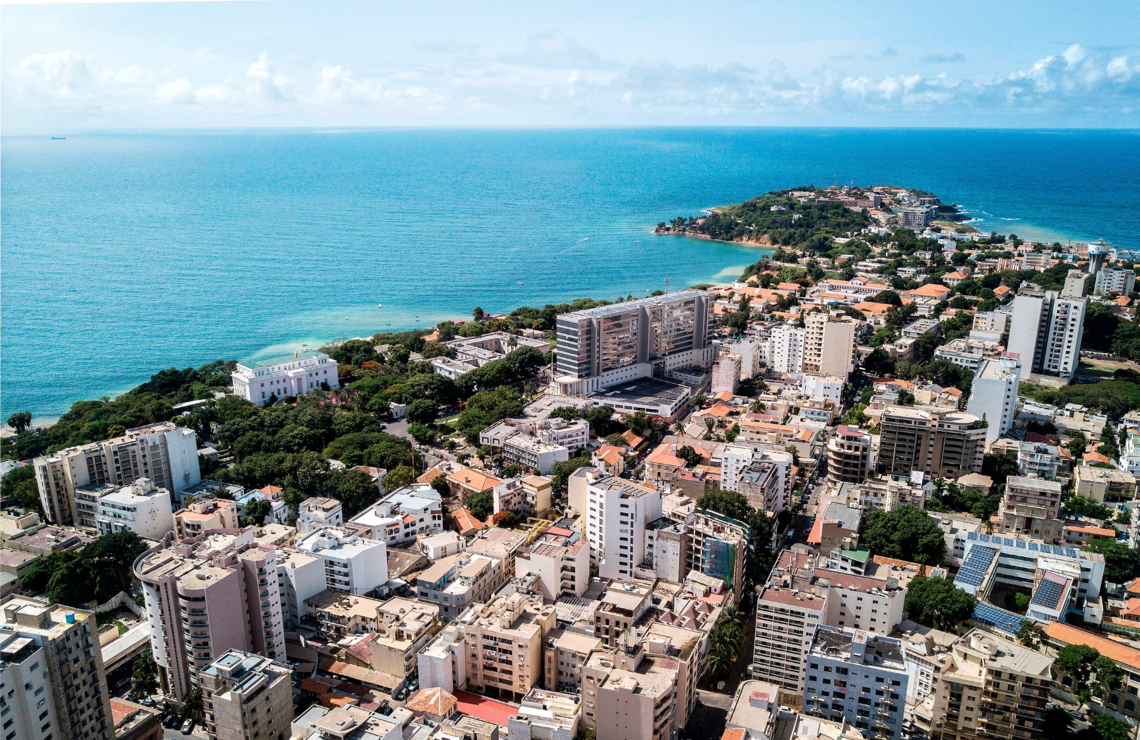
point(810, 218)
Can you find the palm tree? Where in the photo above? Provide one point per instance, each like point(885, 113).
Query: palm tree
point(679, 428)
point(710, 423)
point(721, 655)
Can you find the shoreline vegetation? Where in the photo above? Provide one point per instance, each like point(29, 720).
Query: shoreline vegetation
point(807, 218)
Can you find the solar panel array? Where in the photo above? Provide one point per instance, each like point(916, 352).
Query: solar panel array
point(974, 567)
point(1048, 593)
point(997, 618)
point(1034, 546)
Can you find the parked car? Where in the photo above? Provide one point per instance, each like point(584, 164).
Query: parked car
point(187, 727)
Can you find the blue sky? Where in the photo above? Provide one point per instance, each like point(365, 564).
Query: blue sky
point(352, 63)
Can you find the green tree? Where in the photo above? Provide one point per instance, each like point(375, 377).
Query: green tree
point(19, 488)
point(1120, 560)
point(1076, 662)
point(255, 513)
point(20, 421)
point(480, 505)
point(422, 411)
point(192, 706)
point(1105, 727)
point(398, 477)
point(1030, 634)
point(906, 533)
point(144, 676)
point(937, 603)
point(691, 457)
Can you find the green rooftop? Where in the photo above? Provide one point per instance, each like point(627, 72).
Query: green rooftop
point(860, 555)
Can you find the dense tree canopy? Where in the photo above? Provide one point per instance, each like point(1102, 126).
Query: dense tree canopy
point(937, 603)
point(907, 533)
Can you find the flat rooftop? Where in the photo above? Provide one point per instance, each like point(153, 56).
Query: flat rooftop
point(645, 391)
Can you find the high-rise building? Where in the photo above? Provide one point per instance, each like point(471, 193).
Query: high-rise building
point(1046, 331)
point(247, 696)
point(787, 615)
point(605, 346)
point(859, 678)
point(52, 682)
point(1119, 280)
point(617, 512)
point(941, 443)
point(993, 396)
point(1032, 507)
point(992, 689)
point(848, 455)
point(829, 344)
point(1076, 285)
point(163, 453)
point(206, 596)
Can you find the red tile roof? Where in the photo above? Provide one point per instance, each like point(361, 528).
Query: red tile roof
point(485, 709)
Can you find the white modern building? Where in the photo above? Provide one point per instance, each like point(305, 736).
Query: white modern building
point(993, 396)
point(317, 512)
point(786, 349)
point(617, 512)
point(826, 387)
point(1046, 332)
point(968, 353)
point(1115, 280)
point(532, 452)
point(402, 516)
point(163, 453)
point(140, 508)
point(258, 381)
point(300, 576)
point(738, 460)
point(872, 681)
point(750, 356)
point(353, 564)
point(560, 560)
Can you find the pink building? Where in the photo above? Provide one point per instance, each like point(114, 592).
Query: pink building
point(207, 595)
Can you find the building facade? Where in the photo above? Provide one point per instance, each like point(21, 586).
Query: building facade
point(247, 696)
point(859, 678)
point(993, 396)
point(940, 443)
point(259, 381)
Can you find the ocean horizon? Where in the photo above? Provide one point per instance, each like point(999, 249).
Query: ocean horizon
point(127, 253)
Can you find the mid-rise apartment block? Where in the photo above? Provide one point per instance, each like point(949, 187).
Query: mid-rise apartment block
point(530, 493)
point(848, 455)
point(300, 576)
point(318, 512)
point(402, 516)
point(941, 443)
point(829, 344)
point(559, 560)
point(353, 564)
point(505, 643)
point(993, 397)
point(162, 453)
point(1104, 484)
point(629, 696)
point(52, 682)
point(606, 346)
point(208, 595)
point(617, 513)
point(991, 688)
point(786, 349)
point(247, 696)
point(139, 507)
point(565, 654)
point(1119, 280)
point(394, 631)
point(282, 377)
point(760, 471)
point(1032, 506)
point(859, 678)
point(205, 515)
point(455, 583)
point(1046, 331)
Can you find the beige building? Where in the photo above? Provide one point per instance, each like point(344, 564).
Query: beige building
point(505, 643)
point(991, 688)
point(206, 596)
point(163, 453)
point(829, 344)
point(560, 560)
point(564, 655)
point(205, 515)
point(1104, 484)
point(247, 696)
point(455, 583)
point(1032, 507)
point(848, 455)
point(629, 696)
point(941, 443)
point(52, 682)
point(624, 605)
point(545, 715)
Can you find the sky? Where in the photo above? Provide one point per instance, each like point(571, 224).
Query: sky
point(350, 63)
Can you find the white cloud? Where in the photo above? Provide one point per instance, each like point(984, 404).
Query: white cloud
point(266, 82)
point(176, 92)
point(61, 75)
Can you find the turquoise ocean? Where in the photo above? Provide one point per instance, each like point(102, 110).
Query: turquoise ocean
point(125, 253)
